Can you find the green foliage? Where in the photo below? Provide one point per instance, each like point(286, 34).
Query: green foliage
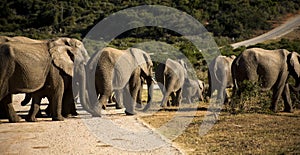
point(290, 45)
point(232, 18)
point(252, 99)
point(227, 21)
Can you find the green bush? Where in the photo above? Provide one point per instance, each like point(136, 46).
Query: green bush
point(251, 100)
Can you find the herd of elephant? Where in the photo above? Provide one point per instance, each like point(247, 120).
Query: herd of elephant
point(61, 69)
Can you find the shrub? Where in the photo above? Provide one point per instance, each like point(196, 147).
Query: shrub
point(251, 99)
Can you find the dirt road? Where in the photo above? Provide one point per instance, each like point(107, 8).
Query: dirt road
point(81, 135)
point(285, 28)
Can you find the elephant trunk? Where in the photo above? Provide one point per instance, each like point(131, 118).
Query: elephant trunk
point(91, 103)
point(295, 88)
point(83, 95)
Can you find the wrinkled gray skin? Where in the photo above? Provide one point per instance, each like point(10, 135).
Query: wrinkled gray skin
point(193, 90)
point(119, 104)
point(35, 68)
point(68, 106)
point(116, 69)
point(219, 76)
point(271, 68)
point(22, 39)
point(68, 103)
point(170, 77)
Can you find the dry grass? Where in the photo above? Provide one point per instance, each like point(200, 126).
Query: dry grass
point(234, 134)
point(248, 133)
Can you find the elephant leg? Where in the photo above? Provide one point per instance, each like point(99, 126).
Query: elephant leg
point(105, 92)
point(277, 92)
point(34, 109)
point(287, 99)
point(48, 110)
point(26, 100)
point(102, 102)
point(134, 86)
point(55, 101)
point(110, 99)
point(68, 104)
point(178, 97)
point(119, 99)
point(188, 98)
point(173, 100)
point(127, 98)
point(139, 97)
point(163, 90)
point(221, 92)
point(169, 89)
point(9, 109)
point(165, 99)
point(56, 107)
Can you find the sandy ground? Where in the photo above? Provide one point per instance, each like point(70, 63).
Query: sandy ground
point(114, 133)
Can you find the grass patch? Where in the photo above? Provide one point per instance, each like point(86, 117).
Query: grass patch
point(243, 133)
point(248, 132)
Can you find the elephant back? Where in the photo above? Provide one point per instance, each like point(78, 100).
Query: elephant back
point(20, 57)
point(21, 39)
point(176, 71)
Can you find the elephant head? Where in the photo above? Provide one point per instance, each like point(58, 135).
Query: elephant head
point(63, 57)
point(294, 68)
point(144, 61)
point(72, 43)
point(76, 50)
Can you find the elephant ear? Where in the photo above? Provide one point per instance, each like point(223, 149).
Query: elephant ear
point(72, 42)
point(142, 59)
point(65, 41)
point(294, 62)
point(63, 58)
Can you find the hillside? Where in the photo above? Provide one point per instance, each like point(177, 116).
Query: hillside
point(229, 21)
point(232, 19)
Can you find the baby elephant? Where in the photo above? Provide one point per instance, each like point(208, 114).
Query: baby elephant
point(193, 90)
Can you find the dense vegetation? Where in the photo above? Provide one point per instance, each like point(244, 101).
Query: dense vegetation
point(227, 20)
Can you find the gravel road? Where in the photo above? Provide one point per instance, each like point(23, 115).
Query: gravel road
point(285, 28)
point(114, 133)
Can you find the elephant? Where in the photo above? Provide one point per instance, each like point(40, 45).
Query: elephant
point(170, 77)
point(68, 106)
point(22, 39)
point(37, 68)
point(271, 68)
point(68, 102)
point(120, 71)
point(193, 89)
point(219, 76)
point(115, 97)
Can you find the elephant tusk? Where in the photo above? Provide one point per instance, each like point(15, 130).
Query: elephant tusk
point(153, 80)
point(295, 88)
